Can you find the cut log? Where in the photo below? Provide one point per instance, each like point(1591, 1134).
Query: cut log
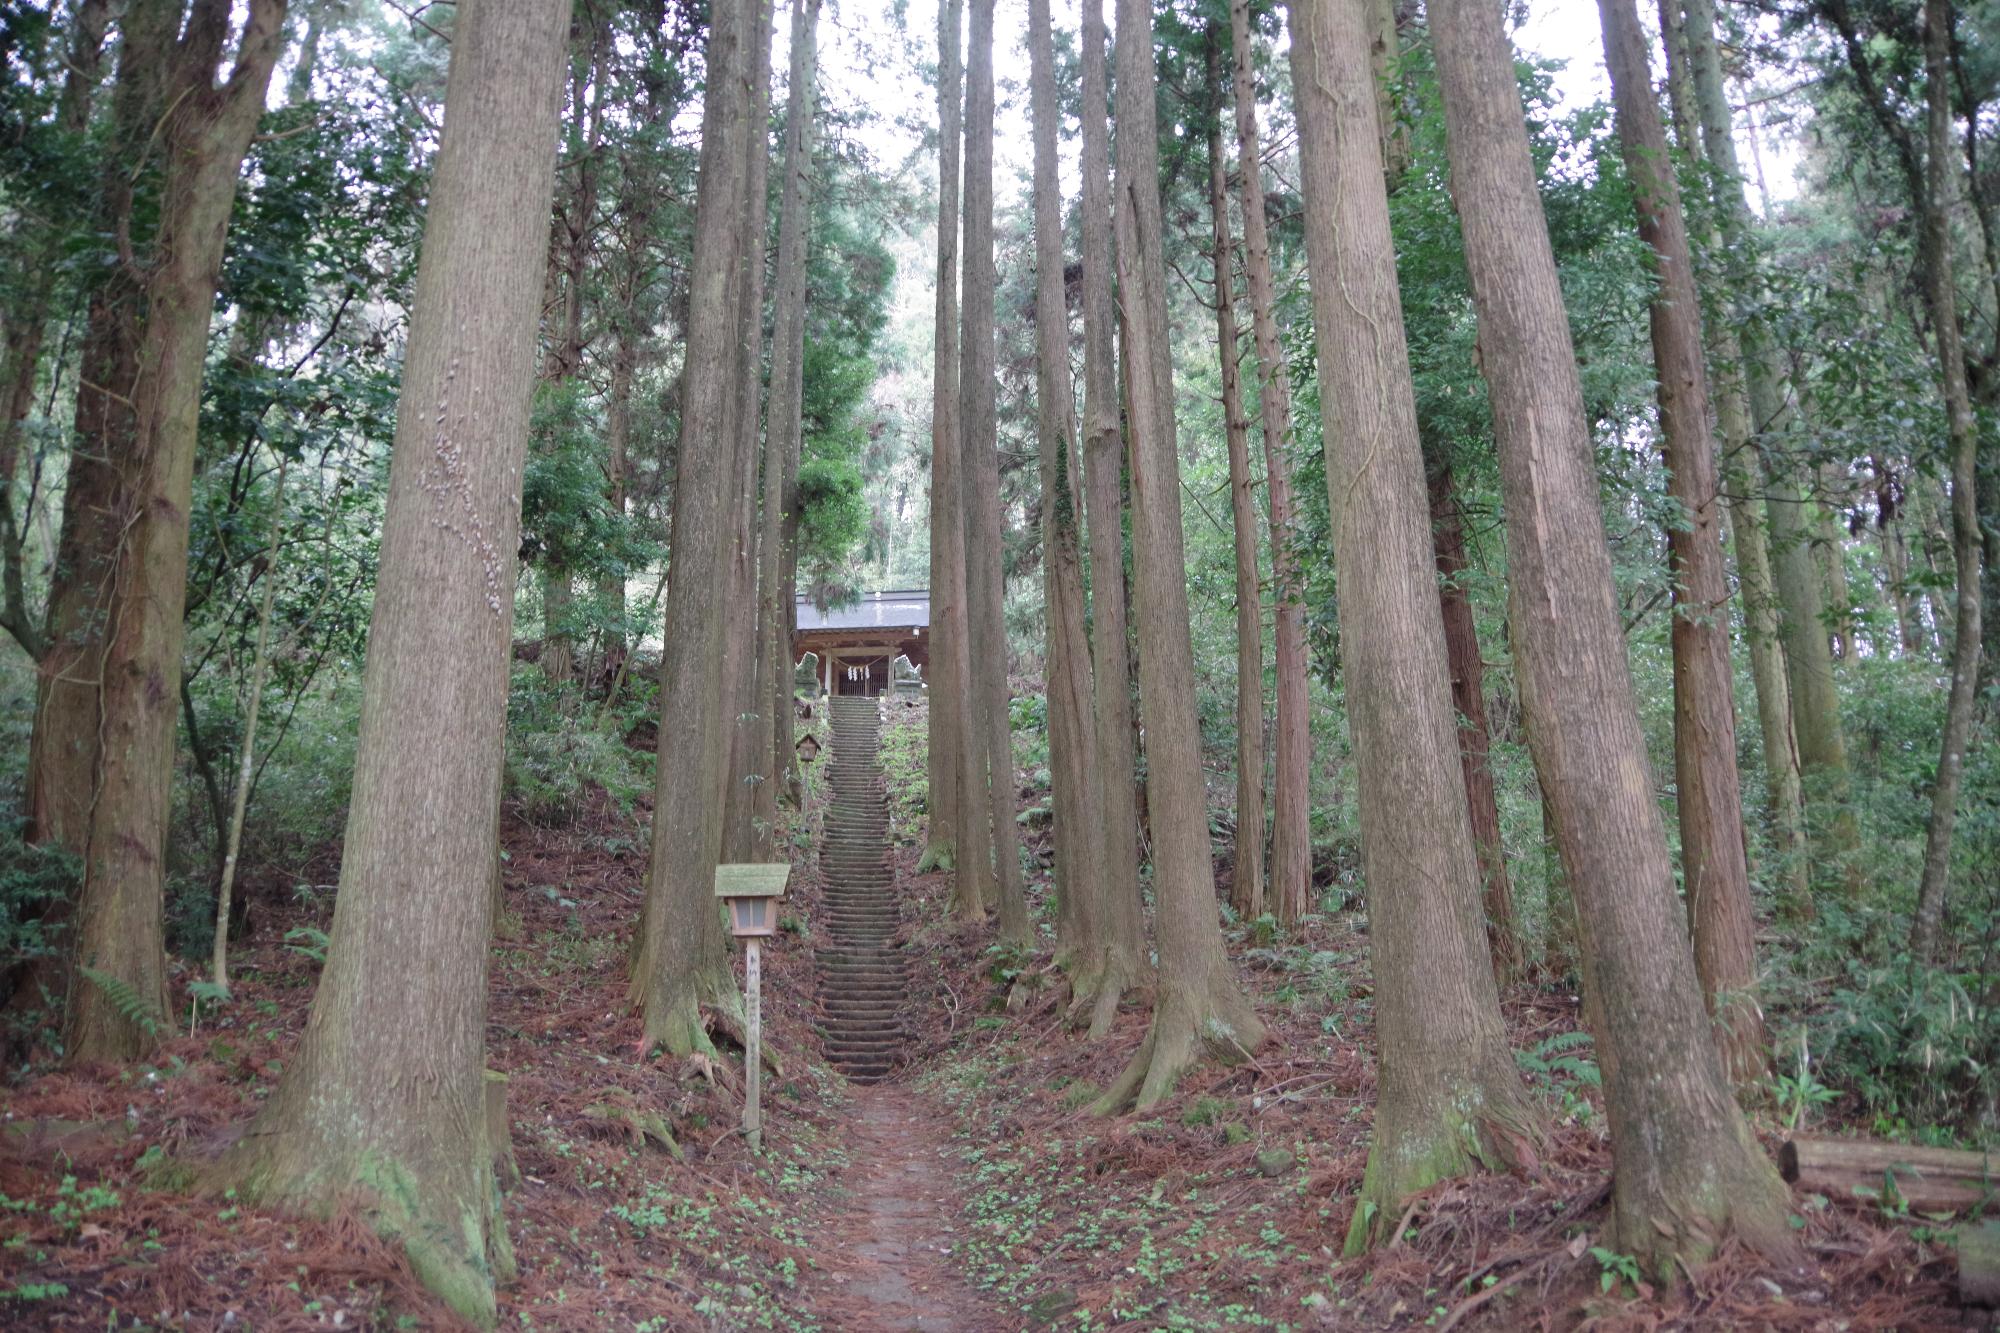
point(1927, 1180)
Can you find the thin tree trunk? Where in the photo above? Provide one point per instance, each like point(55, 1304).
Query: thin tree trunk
point(384, 1102)
point(1475, 743)
point(1079, 820)
point(1801, 601)
point(1686, 1168)
point(1942, 292)
point(260, 661)
point(27, 319)
point(568, 260)
point(950, 670)
point(1714, 869)
point(783, 425)
point(682, 960)
point(1200, 1007)
point(1291, 777)
point(1450, 1098)
point(1743, 474)
point(990, 734)
point(1246, 892)
point(1115, 959)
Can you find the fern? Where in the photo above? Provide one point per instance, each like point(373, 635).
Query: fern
point(130, 1006)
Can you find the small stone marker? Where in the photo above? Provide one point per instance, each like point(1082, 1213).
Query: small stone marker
point(752, 892)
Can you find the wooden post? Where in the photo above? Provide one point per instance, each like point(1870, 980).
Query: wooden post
point(753, 1070)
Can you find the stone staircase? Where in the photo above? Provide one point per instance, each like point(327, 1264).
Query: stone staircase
point(861, 977)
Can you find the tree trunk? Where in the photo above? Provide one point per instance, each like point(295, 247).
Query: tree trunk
point(1450, 1097)
point(1468, 697)
point(377, 1106)
point(1709, 795)
point(1080, 848)
point(1246, 892)
point(253, 707)
point(742, 701)
point(1115, 959)
point(569, 257)
point(1800, 602)
point(27, 319)
point(1942, 293)
point(138, 415)
point(783, 426)
point(990, 734)
point(949, 691)
point(1291, 777)
point(1199, 1005)
point(1744, 479)
point(1685, 1167)
point(682, 960)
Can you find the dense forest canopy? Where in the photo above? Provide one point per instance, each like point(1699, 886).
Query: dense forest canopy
point(1453, 696)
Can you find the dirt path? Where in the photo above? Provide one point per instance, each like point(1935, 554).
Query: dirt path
point(890, 1265)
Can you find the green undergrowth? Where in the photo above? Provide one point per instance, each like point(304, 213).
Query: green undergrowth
point(739, 1256)
point(1171, 1241)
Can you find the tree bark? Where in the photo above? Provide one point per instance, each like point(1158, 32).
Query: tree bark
point(1080, 848)
point(1942, 292)
point(1115, 960)
point(1290, 879)
point(1450, 1098)
point(989, 736)
point(1475, 743)
point(1709, 796)
point(137, 428)
point(1246, 891)
point(742, 702)
point(1685, 1167)
point(949, 691)
point(376, 1105)
point(682, 960)
point(1199, 1005)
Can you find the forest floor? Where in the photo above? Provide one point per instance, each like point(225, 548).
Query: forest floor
point(972, 1192)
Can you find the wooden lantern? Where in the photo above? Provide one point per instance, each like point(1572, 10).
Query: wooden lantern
point(752, 892)
point(808, 748)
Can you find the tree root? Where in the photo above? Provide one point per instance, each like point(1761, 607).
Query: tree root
point(1210, 1019)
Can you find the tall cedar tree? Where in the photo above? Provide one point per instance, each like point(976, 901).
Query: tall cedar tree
point(1246, 893)
point(1450, 1097)
point(682, 959)
point(777, 549)
point(950, 670)
point(1942, 293)
point(101, 760)
point(1198, 1005)
point(1080, 849)
point(1685, 1166)
point(990, 737)
point(1115, 958)
point(386, 1098)
point(1709, 794)
point(1290, 877)
point(741, 701)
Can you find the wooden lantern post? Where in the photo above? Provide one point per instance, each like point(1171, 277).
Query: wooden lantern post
point(752, 892)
